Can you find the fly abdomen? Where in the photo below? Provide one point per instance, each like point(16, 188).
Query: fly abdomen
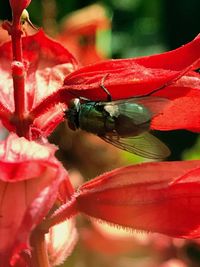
point(94, 119)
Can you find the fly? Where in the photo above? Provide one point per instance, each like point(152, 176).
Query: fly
point(122, 123)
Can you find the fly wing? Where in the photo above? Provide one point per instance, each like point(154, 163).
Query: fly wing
point(145, 145)
point(154, 105)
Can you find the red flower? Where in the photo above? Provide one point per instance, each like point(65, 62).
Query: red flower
point(46, 63)
point(32, 99)
point(127, 78)
point(158, 197)
point(124, 78)
point(80, 33)
point(29, 182)
point(138, 76)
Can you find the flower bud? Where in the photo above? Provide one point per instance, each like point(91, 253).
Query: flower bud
point(18, 6)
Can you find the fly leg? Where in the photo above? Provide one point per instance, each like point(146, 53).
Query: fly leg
point(109, 97)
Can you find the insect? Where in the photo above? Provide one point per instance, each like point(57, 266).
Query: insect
point(122, 123)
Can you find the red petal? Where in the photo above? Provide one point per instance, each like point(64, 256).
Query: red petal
point(4, 36)
point(114, 241)
point(61, 240)
point(28, 189)
point(85, 23)
point(183, 113)
point(160, 197)
point(130, 77)
point(176, 59)
point(47, 63)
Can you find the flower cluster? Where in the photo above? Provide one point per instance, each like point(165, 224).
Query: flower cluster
point(39, 77)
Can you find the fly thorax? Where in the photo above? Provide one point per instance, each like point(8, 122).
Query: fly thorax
point(92, 117)
point(72, 114)
point(112, 112)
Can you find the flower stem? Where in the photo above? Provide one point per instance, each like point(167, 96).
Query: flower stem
point(60, 96)
point(39, 250)
point(65, 212)
point(16, 34)
point(18, 74)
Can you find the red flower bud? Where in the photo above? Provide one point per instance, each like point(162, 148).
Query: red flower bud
point(18, 6)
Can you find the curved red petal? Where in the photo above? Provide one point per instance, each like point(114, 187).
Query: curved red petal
point(130, 77)
point(160, 197)
point(29, 182)
point(182, 113)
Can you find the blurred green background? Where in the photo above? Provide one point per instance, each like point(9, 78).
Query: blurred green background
point(138, 26)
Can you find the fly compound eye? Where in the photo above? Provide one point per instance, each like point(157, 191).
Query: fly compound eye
point(75, 104)
point(72, 114)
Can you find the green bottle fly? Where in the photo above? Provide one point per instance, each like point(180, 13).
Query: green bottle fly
point(123, 123)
